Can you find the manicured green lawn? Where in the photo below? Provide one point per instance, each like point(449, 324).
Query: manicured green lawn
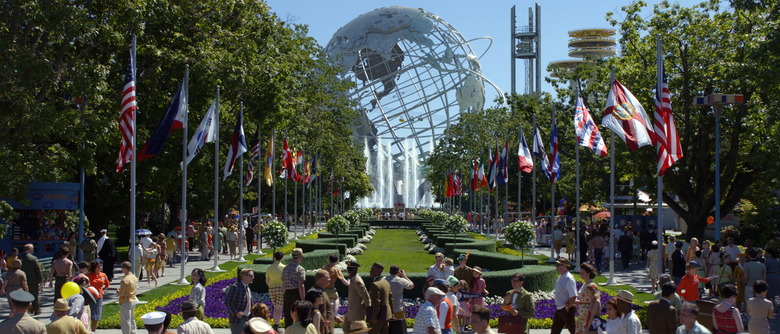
point(396, 246)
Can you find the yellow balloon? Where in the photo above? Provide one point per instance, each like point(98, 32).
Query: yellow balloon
point(69, 289)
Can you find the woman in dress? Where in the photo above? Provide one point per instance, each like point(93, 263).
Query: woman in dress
point(724, 273)
point(613, 317)
point(652, 265)
point(759, 309)
point(99, 281)
point(588, 300)
point(198, 292)
point(14, 279)
point(478, 287)
point(772, 264)
point(725, 317)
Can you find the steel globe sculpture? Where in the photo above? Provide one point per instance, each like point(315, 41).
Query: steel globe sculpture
point(413, 74)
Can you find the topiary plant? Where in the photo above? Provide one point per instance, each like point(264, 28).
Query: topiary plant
point(337, 225)
point(520, 234)
point(275, 234)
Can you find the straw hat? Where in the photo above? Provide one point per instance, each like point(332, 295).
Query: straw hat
point(625, 296)
point(61, 305)
point(358, 327)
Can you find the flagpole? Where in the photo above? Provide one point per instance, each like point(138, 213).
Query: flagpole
point(184, 166)
point(612, 280)
point(533, 197)
point(577, 191)
point(259, 194)
point(133, 161)
point(216, 182)
point(552, 192)
point(242, 233)
point(659, 178)
point(273, 171)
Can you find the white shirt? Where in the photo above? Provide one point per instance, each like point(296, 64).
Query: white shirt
point(565, 288)
point(733, 252)
point(630, 324)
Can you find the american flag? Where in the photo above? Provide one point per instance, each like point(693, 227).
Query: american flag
point(587, 132)
point(458, 184)
point(669, 149)
point(254, 154)
point(127, 119)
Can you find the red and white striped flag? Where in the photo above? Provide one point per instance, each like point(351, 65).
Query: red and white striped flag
point(127, 119)
point(587, 132)
point(668, 149)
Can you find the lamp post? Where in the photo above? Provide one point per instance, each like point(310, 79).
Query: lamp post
point(717, 101)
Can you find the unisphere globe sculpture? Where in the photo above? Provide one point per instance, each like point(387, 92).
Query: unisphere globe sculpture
point(414, 73)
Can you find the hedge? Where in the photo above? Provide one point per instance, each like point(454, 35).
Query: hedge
point(313, 259)
point(495, 261)
point(537, 278)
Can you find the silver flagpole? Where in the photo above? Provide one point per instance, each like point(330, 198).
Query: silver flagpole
point(242, 234)
point(259, 193)
point(133, 161)
point(612, 279)
point(577, 189)
point(216, 182)
point(184, 165)
point(552, 196)
point(660, 179)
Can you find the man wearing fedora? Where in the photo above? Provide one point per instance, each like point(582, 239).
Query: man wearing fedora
point(293, 276)
point(357, 297)
point(630, 323)
point(191, 324)
point(88, 247)
point(19, 322)
point(565, 296)
point(63, 324)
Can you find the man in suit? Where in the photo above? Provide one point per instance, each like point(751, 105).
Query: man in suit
point(381, 306)
point(32, 269)
point(357, 298)
point(662, 311)
point(321, 280)
point(238, 300)
point(107, 254)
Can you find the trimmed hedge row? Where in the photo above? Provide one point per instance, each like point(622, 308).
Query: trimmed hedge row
point(495, 261)
point(538, 278)
point(313, 259)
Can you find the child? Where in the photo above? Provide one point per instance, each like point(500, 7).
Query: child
point(478, 287)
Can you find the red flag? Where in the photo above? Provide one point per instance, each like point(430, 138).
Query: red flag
point(626, 117)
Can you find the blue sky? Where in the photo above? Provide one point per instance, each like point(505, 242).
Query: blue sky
point(473, 19)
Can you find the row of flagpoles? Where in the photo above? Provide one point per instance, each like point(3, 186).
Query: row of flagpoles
point(176, 117)
point(623, 115)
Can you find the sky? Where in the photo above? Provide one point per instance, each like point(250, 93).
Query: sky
point(473, 19)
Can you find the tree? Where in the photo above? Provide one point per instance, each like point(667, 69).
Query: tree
point(709, 49)
point(79, 49)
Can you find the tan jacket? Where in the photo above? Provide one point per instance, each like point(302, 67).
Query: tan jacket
point(357, 300)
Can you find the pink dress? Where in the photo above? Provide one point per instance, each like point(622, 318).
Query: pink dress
point(478, 287)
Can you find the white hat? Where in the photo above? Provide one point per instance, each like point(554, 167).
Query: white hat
point(434, 291)
point(153, 318)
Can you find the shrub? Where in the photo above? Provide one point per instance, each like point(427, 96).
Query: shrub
point(275, 234)
point(337, 225)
